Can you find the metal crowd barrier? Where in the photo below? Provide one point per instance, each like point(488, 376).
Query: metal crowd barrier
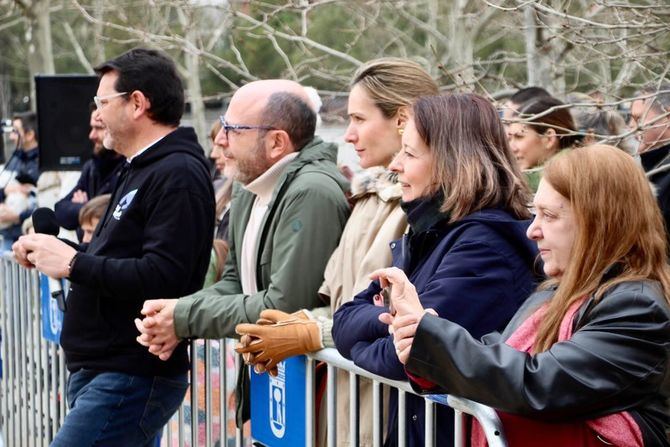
point(32, 388)
point(486, 416)
point(32, 401)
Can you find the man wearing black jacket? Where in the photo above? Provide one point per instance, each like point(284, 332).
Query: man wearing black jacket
point(98, 177)
point(154, 241)
point(650, 115)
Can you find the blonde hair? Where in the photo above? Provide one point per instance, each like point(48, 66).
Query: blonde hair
point(393, 83)
point(94, 208)
point(618, 222)
point(214, 130)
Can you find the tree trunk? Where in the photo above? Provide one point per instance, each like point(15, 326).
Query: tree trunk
point(461, 44)
point(433, 12)
point(537, 72)
point(38, 41)
point(193, 87)
point(544, 53)
point(98, 45)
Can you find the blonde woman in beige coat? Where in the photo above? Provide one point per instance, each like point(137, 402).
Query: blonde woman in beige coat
point(380, 99)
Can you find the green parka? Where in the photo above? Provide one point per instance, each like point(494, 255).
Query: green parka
point(300, 230)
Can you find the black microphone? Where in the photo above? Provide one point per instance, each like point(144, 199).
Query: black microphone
point(45, 222)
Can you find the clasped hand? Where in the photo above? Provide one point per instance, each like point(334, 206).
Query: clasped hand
point(157, 330)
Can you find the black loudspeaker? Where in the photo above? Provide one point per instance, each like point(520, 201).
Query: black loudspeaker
point(63, 118)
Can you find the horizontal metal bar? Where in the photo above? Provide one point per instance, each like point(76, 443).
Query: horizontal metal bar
point(487, 416)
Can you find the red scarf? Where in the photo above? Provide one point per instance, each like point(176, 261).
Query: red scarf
point(619, 428)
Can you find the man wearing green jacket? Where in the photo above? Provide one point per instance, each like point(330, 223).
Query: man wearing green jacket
point(287, 213)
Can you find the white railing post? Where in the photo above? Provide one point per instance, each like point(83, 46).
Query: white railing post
point(332, 406)
point(310, 404)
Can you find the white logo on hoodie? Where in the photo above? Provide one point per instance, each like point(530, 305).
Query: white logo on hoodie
point(123, 204)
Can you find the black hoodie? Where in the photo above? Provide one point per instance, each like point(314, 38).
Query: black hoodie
point(154, 241)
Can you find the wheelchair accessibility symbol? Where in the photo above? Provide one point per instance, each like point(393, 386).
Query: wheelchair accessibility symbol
point(278, 402)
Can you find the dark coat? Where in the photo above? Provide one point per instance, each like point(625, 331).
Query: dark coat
point(656, 164)
point(26, 166)
point(476, 271)
point(616, 360)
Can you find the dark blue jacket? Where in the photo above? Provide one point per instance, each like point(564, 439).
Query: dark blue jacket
point(98, 177)
point(477, 272)
point(26, 166)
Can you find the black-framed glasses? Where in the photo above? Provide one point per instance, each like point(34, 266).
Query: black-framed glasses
point(227, 127)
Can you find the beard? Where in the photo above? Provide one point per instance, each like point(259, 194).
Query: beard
point(98, 148)
point(250, 168)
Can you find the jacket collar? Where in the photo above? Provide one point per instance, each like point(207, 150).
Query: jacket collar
point(315, 151)
point(376, 180)
point(424, 213)
point(29, 155)
point(264, 185)
point(181, 139)
point(655, 157)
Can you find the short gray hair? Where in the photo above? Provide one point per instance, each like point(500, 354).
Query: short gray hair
point(288, 112)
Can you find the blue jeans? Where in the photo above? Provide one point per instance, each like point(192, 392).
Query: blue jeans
point(116, 409)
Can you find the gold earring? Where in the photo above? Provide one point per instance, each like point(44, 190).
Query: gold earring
point(401, 130)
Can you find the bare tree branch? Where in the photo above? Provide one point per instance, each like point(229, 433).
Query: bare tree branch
point(78, 49)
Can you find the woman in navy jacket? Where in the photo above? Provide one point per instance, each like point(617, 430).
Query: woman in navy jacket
point(466, 250)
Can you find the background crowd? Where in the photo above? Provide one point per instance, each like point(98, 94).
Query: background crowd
point(448, 186)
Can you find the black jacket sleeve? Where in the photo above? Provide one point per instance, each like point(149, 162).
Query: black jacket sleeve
point(616, 360)
point(67, 212)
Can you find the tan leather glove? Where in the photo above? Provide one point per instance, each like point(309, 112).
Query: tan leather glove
point(273, 343)
point(267, 317)
point(272, 316)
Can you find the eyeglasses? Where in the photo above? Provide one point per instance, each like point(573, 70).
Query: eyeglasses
point(98, 100)
point(227, 127)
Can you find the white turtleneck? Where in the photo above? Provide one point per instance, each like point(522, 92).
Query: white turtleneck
point(263, 187)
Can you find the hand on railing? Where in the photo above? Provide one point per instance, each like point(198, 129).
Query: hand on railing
point(157, 330)
point(275, 337)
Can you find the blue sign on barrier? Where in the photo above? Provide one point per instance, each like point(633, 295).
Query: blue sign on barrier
point(52, 317)
point(278, 404)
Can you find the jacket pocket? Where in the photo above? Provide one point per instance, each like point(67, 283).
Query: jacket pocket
point(86, 328)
